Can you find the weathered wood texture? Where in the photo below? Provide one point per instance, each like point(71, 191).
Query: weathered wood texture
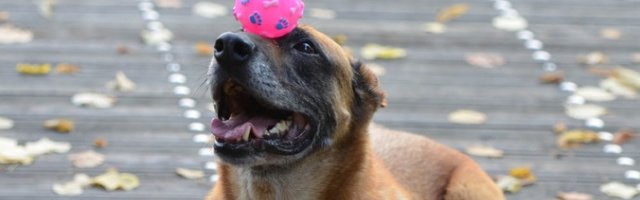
point(148, 135)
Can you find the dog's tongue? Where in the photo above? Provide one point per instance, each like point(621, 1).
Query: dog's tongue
point(234, 128)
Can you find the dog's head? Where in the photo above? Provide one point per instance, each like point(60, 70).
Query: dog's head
point(278, 100)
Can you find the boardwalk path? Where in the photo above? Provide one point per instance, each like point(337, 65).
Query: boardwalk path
point(149, 136)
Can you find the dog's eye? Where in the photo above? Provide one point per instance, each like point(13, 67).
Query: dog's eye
point(305, 47)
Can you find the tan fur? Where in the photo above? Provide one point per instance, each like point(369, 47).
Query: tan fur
point(363, 162)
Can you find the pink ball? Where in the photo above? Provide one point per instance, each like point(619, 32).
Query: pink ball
point(268, 18)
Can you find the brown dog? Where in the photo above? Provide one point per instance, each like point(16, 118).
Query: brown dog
point(293, 122)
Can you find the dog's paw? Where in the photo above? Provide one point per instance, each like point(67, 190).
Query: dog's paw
point(282, 24)
point(256, 19)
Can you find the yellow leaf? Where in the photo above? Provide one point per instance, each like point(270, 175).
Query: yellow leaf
point(189, 173)
point(452, 12)
point(33, 69)
point(467, 117)
point(60, 125)
point(574, 138)
point(375, 51)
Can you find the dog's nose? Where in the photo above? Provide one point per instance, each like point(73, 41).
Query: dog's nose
point(233, 48)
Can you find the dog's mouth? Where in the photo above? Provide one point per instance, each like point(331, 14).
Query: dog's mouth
point(248, 125)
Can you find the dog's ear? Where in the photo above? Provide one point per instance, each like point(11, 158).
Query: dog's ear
point(366, 87)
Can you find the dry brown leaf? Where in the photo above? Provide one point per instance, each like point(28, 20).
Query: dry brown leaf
point(86, 159)
point(113, 180)
point(574, 196)
point(322, 13)
point(60, 125)
point(4, 16)
point(552, 77)
point(66, 68)
point(611, 33)
point(452, 12)
point(620, 190)
point(434, 27)
point(595, 94)
point(189, 173)
point(559, 128)
point(376, 51)
point(510, 23)
point(623, 136)
point(93, 100)
point(628, 77)
point(209, 9)
point(100, 143)
point(203, 49)
point(585, 111)
point(601, 71)
point(169, 3)
point(467, 117)
point(6, 123)
point(12, 35)
point(574, 138)
point(485, 60)
point(484, 151)
point(594, 58)
point(121, 83)
point(123, 50)
point(33, 69)
point(509, 184)
point(615, 87)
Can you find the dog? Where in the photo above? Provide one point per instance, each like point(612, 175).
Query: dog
point(294, 122)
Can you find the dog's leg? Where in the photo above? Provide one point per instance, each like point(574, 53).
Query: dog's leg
point(469, 182)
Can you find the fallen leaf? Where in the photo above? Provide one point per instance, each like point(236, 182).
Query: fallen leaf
point(46, 146)
point(620, 190)
point(45, 8)
point(86, 159)
point(485, 60)
point(524, 174)
point(434, 27)
point(12, 153)
point(552, 77)
point(33, 69)
point(157, 36)
point(484, 151)
point(4, 16)
point(123, 50)
point(610, 33)
point(573, 196)
point(169, 3)
point(574, 138)
point(189, 173)
point(509, 184)
point(378, 70)
point(209, 9)
point(559, 128)
point(100, 143)
point(467, 117)
point(623, 136)
point(595, 94)
point(203, 49)
point(6, 123)
point(322, 13)
point(601, 71)
point(65, 68)
point(615, 87)
point(375, 51)
point(594, 58)
point(74, 187)
point(93, 100)
point(452, 12)
point(12, 35)
point(113, 180)
point(628, 77)
point(60, 125)
point(585, 111)
point(122, 83)
point(510, 23)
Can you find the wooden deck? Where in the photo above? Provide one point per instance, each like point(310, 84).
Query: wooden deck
point(149, 136)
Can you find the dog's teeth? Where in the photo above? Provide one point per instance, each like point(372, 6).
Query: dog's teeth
point(245, 137)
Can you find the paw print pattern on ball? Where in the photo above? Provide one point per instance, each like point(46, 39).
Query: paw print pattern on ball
point(282, 24)
point(244, 2)
point(256, 19)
